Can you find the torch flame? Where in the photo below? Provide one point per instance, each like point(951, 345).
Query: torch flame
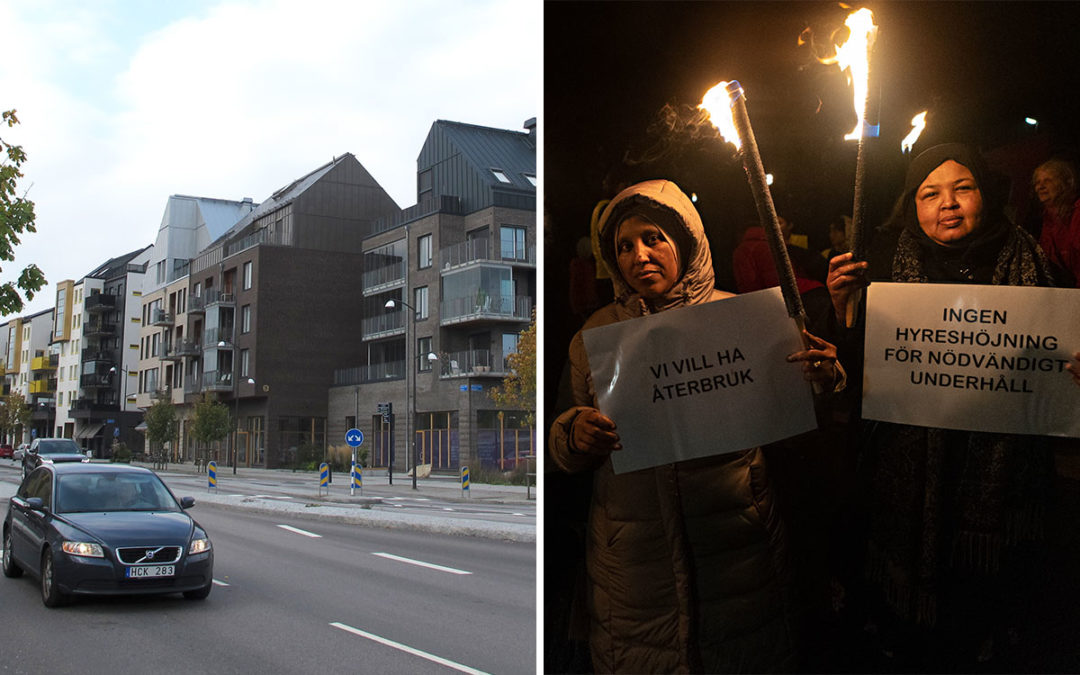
point(717, 103)
point(918, 123)
point(854, 57)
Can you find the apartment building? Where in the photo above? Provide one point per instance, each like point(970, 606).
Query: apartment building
point(448, 285)
point(30, 369)
point(270, 310)
point(95, 344)
point(170, 338)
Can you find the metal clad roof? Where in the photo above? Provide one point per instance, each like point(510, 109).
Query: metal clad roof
point(486, 148)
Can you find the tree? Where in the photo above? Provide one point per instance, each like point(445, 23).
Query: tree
point(210, 420)
point(518, 388)
point(16, 217)
point(13, 413)
point(161, 424)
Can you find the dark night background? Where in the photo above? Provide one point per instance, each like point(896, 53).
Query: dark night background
point(979, 68)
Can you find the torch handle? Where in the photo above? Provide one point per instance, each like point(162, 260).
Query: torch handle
point(755, 174)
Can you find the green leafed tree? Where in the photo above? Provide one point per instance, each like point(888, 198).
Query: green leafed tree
point(161, 424)
point(518, 390)
point(16, 217)
point(210, 420)
point(13, 413)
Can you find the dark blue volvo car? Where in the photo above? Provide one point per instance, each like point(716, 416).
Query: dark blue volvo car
point(104, 529)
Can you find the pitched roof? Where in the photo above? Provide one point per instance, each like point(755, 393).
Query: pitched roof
point(112, 266)
point(486, 148)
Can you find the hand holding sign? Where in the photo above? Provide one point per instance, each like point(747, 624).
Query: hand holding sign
point(845, 278)
point(593, 433)
point(819, 361)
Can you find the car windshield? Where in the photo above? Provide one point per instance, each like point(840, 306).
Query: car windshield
point(57, 447)
point(83, 492)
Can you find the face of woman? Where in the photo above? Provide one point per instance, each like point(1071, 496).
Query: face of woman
point(646, 258)
point(1048, 186)
point(948, 204)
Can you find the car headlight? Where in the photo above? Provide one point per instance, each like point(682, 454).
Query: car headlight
point(85, 460)
point(83, 548)
point(198, 546)
point(46, 461)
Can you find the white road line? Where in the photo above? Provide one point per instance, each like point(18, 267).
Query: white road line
point(520, 514)
point(299, 531)
point(220, 583)
point(407, 649)
point(447, 508)
point(420, 563)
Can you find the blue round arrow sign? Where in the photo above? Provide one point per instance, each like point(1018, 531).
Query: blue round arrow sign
point(354, 437)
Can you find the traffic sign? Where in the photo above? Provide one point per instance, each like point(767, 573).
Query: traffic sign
point(354, 437)
point(211, 475)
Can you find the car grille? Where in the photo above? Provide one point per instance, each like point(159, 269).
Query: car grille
point(147, 555)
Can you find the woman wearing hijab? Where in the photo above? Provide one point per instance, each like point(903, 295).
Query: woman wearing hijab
point(685, 561)
point(954, 517)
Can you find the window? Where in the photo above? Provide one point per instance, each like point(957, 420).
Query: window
point(424, 183)
point(198, 289)
point(512, 242)
point(423, 348)
point(245, 319)
point(500, 175)
point(423, 245)
point(531, 178)
point(509, 346)
point(420, 302)
point(247, 275)
point(245, 362)
point(160, 270)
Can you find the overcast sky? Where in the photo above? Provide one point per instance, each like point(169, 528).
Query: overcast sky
point(123, 103)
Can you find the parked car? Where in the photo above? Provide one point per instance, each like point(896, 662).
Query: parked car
point(7, 451)
point(104, 529)
point(50, 451)
point(20, 451)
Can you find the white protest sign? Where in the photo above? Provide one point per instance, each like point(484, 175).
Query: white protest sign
point(977, 358)
point(701, 380)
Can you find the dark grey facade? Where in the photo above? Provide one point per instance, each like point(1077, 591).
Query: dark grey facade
point(460, 268)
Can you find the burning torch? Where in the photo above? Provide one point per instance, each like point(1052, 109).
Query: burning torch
point(735, 128)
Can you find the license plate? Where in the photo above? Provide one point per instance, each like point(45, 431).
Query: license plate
point(149, 571)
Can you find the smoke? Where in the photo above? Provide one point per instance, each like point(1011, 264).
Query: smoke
point(677, 130)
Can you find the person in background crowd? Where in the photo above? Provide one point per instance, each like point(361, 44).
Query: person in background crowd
point(954, 518)
point(686, 562)
point(1056, 186)
point(837, 237)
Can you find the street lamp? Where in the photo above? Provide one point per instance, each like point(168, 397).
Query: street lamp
point(410, 409)
point(236, 416)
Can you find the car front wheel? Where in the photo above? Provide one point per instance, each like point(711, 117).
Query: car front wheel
point(50, 591)
point(11, 568)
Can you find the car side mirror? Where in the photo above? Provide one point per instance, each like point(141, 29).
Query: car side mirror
point(37, 504)
point(187, 502)
point(32, 451)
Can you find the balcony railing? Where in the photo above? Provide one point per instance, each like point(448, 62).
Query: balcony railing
point(169, 353)
point(491, 307)
point(219, 298)
point(196, 304)
point(42, 386)
point(159, 317)
point(214, 380)
point(387, 323)
point(99, 328)
point(100, 302)
point(384, 277)
point(471, 363)
point(379, 372)
point(49, 362)
point(99, 404)
point(188, 348)
point(192, 385)
point(93, 354)
point(96, 381)
point(212, 336)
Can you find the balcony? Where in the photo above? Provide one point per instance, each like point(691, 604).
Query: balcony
point(100, 302)
point(212, 336)
point(192, 385)
point(472, 363)
point(99, 329)
point(219, 298)
point(188, 348)
point(485, 309)
point(42, 387)
point(93, 354)
point(159, 317)
point(384, 278)
point(214, 380)
point(196, 304)
point(377, 372)
point(86, 408)
point(49, 362)
point(96, 381)
point(169, 353)
point(385, 324)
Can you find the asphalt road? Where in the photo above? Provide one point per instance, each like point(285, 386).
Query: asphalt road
point(295, 595)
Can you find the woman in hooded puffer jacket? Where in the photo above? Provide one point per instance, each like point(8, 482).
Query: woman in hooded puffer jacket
point(686, 561)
